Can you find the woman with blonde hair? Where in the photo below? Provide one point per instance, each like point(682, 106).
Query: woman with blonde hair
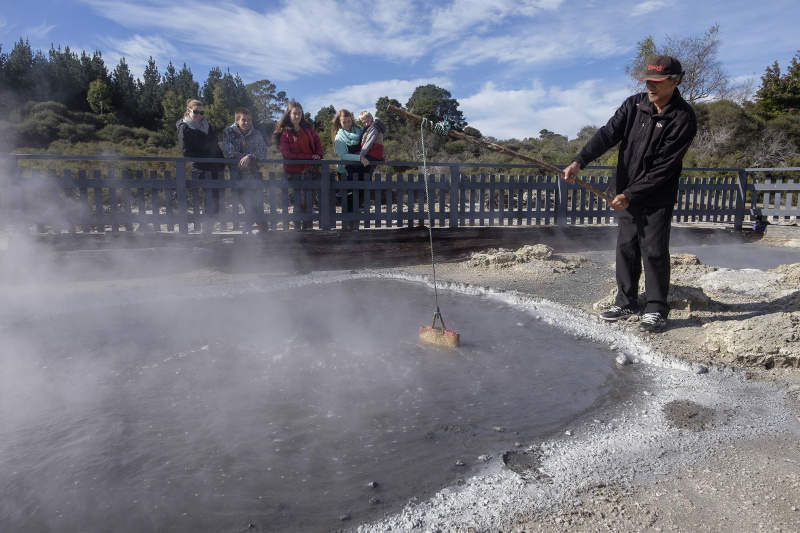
point(197, 141)
point(346, 137)
point(297, 140)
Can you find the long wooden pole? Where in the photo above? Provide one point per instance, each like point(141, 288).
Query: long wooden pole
point(502, 150)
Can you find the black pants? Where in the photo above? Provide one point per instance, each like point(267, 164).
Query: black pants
point(249, 198)
point(643, 241)
point(353, 173)
point(212, 170)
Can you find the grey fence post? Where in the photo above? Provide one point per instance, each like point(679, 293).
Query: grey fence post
point(13, 196)
point(325, 198)
point(455, 186)
point(5, 192)
point(561, 203)
point(738, 216)
point(183, 203)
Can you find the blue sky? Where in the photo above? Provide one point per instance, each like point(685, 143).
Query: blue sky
point(516, 67)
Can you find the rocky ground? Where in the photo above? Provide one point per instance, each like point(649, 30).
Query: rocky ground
point(745, 321)
point(720, 316)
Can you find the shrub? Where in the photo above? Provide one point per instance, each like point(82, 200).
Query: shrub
point(115, 133)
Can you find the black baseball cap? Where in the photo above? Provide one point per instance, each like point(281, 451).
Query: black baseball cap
point(662, 67)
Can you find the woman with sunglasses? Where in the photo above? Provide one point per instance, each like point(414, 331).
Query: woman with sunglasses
point(197, 141)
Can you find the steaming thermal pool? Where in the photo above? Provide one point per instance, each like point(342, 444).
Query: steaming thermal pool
point(275, 405)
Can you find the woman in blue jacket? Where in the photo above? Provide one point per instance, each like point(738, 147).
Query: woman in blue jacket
point(346, 137)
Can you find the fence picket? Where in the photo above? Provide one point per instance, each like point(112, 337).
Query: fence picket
point(168, 200)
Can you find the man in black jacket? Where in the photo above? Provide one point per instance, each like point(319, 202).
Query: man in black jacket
point(654, 130)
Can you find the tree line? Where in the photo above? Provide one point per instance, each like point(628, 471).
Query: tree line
point(63, 98)
point(65, 102)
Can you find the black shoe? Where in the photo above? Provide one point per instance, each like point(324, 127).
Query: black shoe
point(652, 323)
point(617, 313)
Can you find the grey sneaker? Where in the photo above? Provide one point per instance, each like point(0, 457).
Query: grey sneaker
point(617, 313)
point(652, 323)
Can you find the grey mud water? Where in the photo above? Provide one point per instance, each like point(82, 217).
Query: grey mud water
point(668, 438)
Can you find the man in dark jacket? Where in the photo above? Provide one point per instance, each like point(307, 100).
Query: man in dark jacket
point(654, 130)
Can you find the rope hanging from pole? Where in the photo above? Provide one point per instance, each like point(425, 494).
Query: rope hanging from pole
point(432, 334)
point(430, 219)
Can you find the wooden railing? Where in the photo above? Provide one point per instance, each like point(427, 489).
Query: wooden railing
point(44, 193)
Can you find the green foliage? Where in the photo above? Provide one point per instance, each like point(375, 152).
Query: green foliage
point(68, 77)
point(461, 148)
point(402, 141)
point(436, 104)
point(268, 103)
point(57, 108)
point(214, 77)
point(780, 94)
point(117, 133)
point(229, 93)
point(99, 97)
point(19, 68)
point(149, 94)
point(41, 126)
point(322, 124)
point(182, 84)
point(173, 107)
point(790, 126)
point(730, 135)
point(47, 122)
point(123, 93)
point(586, 133)
point(394, 123)
point(472, 132)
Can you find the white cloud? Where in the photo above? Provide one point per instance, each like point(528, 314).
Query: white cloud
point(522, 113)
point(648, 7)
point(283, 43)
point(482, 15)
point(38, 32)
point(532, 42)
point(361, 97)
point(137, 51)
point(386, 17)
point(294, 41)
point(527, 51)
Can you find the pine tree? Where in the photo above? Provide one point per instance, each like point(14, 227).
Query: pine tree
point(149, 99)
point(123, 93)
point(780, 94)
point(214, 77)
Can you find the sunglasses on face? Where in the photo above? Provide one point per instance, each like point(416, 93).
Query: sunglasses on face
point(196, 112)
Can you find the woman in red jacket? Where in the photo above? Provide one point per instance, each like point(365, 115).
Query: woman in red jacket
point(298, 140)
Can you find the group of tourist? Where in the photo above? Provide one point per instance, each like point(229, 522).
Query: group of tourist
point(294, 135)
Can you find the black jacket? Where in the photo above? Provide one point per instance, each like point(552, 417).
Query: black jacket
point(198, 145)
point(652, 147)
